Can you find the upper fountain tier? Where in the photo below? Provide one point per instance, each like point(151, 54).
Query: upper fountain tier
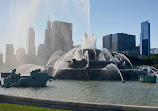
point(88, 41)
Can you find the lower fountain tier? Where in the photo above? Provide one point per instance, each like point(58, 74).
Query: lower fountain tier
point(93, 64)
point(82, 74)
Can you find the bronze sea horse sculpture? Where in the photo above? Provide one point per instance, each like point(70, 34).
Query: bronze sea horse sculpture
point(36, 79)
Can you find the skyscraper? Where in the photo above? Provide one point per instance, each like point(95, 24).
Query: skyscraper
point(119, 42)
point(1, 60)
point(43, 54)
point(107, 42)
point(20, 56)
point(58, 36)
point(49, 37)
point(31, 42)
point(145, 39)
point(62, 36)
point(10, 57)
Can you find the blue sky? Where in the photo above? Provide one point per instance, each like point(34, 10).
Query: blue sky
point(107, 16)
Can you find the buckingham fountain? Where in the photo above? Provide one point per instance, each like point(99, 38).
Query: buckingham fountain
point(85, 74)
point(86, 62)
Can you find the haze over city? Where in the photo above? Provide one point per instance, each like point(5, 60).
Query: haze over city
point(107, 16)
point(88, 55)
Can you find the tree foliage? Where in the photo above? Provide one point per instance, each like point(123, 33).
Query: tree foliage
point(151, 60)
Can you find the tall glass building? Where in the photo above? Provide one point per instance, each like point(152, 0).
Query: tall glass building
point(145, 39)
point(119, 42)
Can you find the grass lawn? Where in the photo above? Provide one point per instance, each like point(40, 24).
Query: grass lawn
point(15, 107)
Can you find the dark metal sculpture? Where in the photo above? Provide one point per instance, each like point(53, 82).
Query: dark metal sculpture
point(36, 79)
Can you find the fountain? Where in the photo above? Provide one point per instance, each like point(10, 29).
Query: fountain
point(26, 69)
point(86, 62)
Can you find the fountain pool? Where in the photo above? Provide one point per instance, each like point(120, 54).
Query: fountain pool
point(113, 92)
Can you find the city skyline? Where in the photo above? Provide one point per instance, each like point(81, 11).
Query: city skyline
point(79, 55)
point(58, 39)
point(103, 21)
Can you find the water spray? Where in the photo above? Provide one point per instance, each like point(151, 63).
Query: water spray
point(89, 17)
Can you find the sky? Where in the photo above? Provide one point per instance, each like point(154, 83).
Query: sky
point(107, 17)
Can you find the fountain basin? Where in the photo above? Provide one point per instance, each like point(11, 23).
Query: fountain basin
point(98, 74)
point(93, 64)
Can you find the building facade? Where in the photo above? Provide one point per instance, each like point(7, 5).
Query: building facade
point(62, 36)
point(31, 42)
point(49, 37)
point(58, 36)
point(145, 39)
point(42, 54)
point(10, 57)
point(1, 60)
point(20, 56)
point(119, 42)
point(107, 42)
